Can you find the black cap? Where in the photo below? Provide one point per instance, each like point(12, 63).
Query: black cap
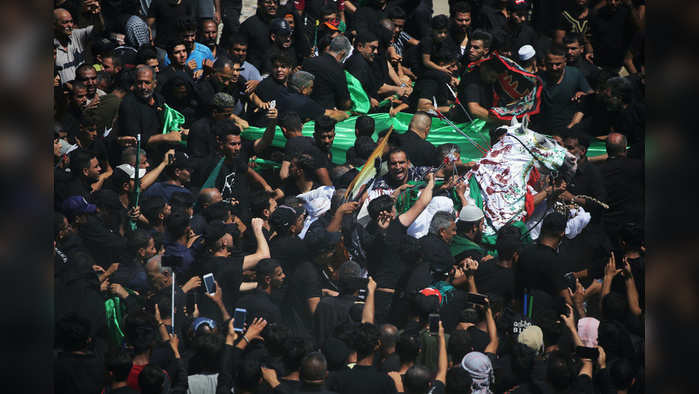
point(107, 199)
point(182, 160)
point(214, 232)
point(283, 217)
point(280, 26)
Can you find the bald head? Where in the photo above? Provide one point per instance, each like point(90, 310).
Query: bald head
point(209, 196)
point(154, 264)
point(62, 23)
point(389, 335)
point(616, 144)
point(143, 69)
point(314, 368)
point(421, 124)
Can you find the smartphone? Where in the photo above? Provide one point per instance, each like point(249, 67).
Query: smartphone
point(570, 280)
point(209, 283)
point(476, 298)
point(587, 352)
point(239, 317)
point(434, 323)
point(272, 104)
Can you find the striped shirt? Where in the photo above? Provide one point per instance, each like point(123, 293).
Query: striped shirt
point(69, 58)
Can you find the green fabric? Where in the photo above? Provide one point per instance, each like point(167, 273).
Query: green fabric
point(211, 180)
point(440, 133)
point(360, 100)
point(114, 310)
point(172, 120)
point(461, 244)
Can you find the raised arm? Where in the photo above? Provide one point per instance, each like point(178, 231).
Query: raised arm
point(152, 175)
point(407, 218)
point(631, 291)
point(266, 140)
point(368, 311)
point(262, 252)
point(442, 361)
point(492, 330)
point(217, 298)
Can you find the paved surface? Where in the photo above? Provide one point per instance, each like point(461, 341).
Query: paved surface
point(249, 7)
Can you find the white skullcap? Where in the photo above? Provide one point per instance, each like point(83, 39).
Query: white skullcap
point(470, 213)
point(526, 52)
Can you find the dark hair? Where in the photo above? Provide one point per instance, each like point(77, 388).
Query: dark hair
point(458, 380)
point(151, 379)
point(177, 224)
point(266, 267)
point(79, 161)
point(249, 375)
point(72, 332)
point(482, 35)
point(395, 12)
point(572, 37)
point(224, 127)
point(58, 222)
point(295, 349)
point(140, 331)
point(185, 24)
point(408, 348)
point(305, 162)
point(258, 203)
point(119, 364)
point(367, 338)
point(460, 8)
point(290, 120)
point(313, 367)
point(151, 207)
point(508, 241)
point(237, 39)
point(632, 234)
point(282, 59)
point(181, 200)
point(378, 205)
point(170, 46)
point(328, 9)
point(217, 211)
point(559, 371)
point(464, 227)
point(88, 120)
point(124, 79)
point(582, 139)
point(137, 240)
point(460, 344)
point(364, 126)
point(622, 373)
point(146, 52)
point(556, 50)
point(365, 36)
point(445, 56)
point(440, 22)
point(554, 224)
point(417, 379)
point(324, 124)
point(208, 348)
point(275, 335)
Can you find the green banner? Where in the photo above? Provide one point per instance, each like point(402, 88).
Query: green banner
point(440, 133)
point(360, 100)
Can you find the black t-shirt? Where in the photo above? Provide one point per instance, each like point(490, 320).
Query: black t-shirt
point(612, 32)
point(473, 89)
point(330, 85)
point(420, 152)
point(256, 30)
point(557, 109)
point(290, 250)
point(304, 283)
point(623, 181)
point(259, 304)
point(385, 262)
point(206, 88)
point(165, 14)
point(303, 105)
point(429, 46)
point(432, 83)
point(492, 278)
point(232, 181)
point(135, 116)
point(201, 141)
point(360, 69)
point(228, 272)
point(540, 267)
point(361, 379)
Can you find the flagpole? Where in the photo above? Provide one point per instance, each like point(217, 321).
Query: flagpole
point(137, 180)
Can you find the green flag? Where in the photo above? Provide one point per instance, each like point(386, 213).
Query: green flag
point(172, 120)
point(360, 100)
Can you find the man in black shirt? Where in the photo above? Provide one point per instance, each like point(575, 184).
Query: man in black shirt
point(436, 84)
point(268, 89)
point(202, 140)
point(389, 242)
point(297, 99)
point(517, 31)
point(413, 142)
point(259, 303)
point(297, 143)
point(623, 180)
point(85, 171)
point(612, 29)
point(438, 41)
point(256, 30)
point(540, 267)
point(226, 78)
point(323, 136)
point(161, 15)
point(366, 49)
point(496, 276)
point(574, 56)
point(364, 145)
point(330, 90)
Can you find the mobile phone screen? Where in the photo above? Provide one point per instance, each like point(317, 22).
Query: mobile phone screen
point(434, 323)
point(239, 317)
point(209, 283)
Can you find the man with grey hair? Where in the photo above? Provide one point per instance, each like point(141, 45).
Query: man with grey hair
point(435, 245)
point(331, 84)
point(297, 99)
point(413, 142)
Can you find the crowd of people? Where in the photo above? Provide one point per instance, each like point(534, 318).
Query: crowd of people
point(192, 258)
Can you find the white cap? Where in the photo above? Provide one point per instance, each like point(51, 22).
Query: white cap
point(526, 52)
point(470, 213)
point(128, 168)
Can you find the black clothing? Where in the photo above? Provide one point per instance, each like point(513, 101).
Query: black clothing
point(473, 89)
point(206, 88)
point(516, 35)
point(106, 246)
point(260, 304)
point(228, 272)
point(77, 373)
point(420, 152)
point(540, 267)
point(233, 183)
point(290, 250)
point(360, 68)
point(432, 83)
point(267, 90)
point(165, 14)
point(304, 283)
point(588, 70)
point(623, 181)
point(361, 379)
point(201, 141)
point(306, 107)
point(385, 260)
point(612, 32)
point(256, 30)
point(557, 109)
point(330, 85)
point(492, 278)
point(331, 313)
point(135, 116)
